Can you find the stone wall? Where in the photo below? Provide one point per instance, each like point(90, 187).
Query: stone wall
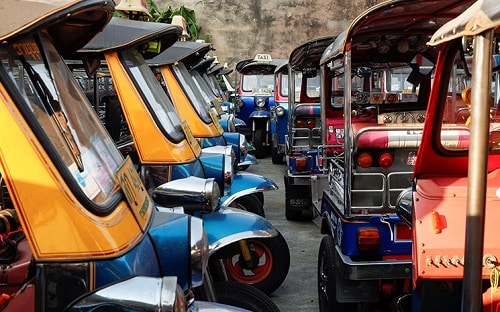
point(241, 29)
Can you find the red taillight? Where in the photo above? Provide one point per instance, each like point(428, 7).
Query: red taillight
point(385, 160)
point(368, 239)
point(299, 123)
point(310, 123)
point(301, 163)
point(364, 160)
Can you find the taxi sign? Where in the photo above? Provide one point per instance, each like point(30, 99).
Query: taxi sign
point(263, 58)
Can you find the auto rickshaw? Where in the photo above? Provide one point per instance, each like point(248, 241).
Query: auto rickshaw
point(79, 230)
point(191, 96)
point(279, 114)
point(303, 129)
point(452, 205)
point(376, 83)
point(245, 246)
point(255, 99)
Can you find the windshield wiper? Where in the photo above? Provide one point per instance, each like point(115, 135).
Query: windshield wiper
point(54, 109)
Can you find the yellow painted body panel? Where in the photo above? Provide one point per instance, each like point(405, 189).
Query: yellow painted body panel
point(56, 224)
point(152, 146)
point(186, 111)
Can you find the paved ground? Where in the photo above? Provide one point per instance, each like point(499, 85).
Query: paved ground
point(299, 291)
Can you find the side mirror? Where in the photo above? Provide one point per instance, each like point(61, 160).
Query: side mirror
point(404, 206)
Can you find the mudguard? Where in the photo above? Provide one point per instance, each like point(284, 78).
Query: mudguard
point(249, 160)
point(260, 114)
point(245, 183)
point(228, 225)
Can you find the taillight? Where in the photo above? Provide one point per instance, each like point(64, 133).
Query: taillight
point(385, 160)
point(364, 160)
point(301, 163)
point(310, 123)
point(299, 123)
point(368, 239)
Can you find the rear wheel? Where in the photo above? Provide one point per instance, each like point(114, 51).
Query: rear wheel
point(276, 157)
point(244, 296)
point(260, 143)
point(326, 279)
point(266, 269)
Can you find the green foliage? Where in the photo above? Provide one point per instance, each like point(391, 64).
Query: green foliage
point(165, 16)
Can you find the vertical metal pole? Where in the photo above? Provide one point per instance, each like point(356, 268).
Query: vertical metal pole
point(347, 133)
point(477, 171)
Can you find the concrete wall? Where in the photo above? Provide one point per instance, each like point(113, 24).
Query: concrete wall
point(241, 29)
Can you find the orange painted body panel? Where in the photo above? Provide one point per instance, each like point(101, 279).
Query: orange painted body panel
point(186, 111)
point(439, 223)
point(152, 146)
point(57, 226)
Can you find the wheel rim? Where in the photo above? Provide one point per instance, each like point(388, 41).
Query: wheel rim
point(240, 273)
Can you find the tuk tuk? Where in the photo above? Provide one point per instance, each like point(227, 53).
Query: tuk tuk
point(452, 205)
point(303, 130)
point(172, 165)
point(375, 87)
point(192, 99)
point(279, 114)
point(255, 99)
point(79, 231)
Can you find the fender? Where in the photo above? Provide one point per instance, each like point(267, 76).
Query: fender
point(227, 225)
point(245, 183)
point(249, 160)
point(260, 114)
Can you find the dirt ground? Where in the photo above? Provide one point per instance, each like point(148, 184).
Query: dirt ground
point(299, 290)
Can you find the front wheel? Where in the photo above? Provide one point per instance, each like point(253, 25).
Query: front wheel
point(243, 296)
point(266, 268)
point(260, 143)
point(326, 279)
point(250, 203)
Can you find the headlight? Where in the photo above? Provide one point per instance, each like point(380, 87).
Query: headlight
point(240, 102)
point(211, 163)
point(280, 111)
point(243, 147)
point(260, 102)
point(231, 125)
point(193, 193)
point(199, 252)
point(149, 294)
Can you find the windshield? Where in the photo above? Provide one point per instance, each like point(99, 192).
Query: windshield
point(456, 116)
point(200, 100)
point(64, 121)
point(251, 83)
point(159, 104)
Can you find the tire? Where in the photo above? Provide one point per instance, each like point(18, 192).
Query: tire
point(250, 203)
point(266, 270)
point(326, 279)
point(243, 167)
point(260, 143)
point(276, 157)
point(293, 215)
point(244, 296)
